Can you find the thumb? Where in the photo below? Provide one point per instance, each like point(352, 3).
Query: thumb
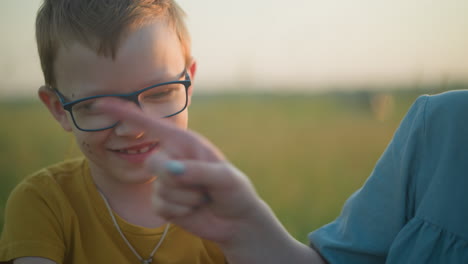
point(227, 191)
point(209, 175)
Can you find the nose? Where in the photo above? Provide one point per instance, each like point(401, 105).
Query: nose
point(129, 130)
point(134, 98)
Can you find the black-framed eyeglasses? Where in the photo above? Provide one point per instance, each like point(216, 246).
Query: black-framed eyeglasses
point(161, 100)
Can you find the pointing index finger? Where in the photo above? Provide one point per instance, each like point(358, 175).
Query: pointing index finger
point(179, 143)
point(128, 111)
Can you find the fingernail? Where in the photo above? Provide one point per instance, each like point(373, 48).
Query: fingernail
point(175, 167)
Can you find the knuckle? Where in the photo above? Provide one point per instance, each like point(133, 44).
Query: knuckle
point(157, 186)
point(163, 193)
point(172, 212)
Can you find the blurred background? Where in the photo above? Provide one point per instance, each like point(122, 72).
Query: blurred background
point(301, 95)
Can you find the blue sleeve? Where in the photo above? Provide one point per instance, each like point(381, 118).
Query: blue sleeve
point(372, 217)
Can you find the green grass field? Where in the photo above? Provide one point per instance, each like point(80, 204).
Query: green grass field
point(305, 153)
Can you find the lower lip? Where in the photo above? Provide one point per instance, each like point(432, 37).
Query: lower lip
point(137, 158)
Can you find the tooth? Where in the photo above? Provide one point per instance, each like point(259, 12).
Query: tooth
point(145, 149)
point(132, 151)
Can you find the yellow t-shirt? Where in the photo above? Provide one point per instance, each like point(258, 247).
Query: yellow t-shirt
point(58, 214)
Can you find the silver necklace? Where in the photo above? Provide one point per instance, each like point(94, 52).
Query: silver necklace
point(142, 260)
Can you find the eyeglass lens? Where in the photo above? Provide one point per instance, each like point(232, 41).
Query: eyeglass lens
point(159, 101)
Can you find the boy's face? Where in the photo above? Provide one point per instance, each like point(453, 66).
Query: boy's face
point(148, 56)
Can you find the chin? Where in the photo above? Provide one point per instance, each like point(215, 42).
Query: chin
point(137, 179)
point(131, 176)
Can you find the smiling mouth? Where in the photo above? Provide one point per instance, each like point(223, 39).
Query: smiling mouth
point(137, 149)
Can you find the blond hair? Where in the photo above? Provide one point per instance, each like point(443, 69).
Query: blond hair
point(100, 25)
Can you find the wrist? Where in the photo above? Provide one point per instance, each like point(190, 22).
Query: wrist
point(261, 238)
point(254, 237)
point(249, 228)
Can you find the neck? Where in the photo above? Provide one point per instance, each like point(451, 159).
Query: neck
point(130, 201)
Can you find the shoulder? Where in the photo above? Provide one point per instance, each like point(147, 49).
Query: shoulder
point(442, 126)
point(449, 105)
point(54, 174)
point(444, 104)
point(455, 96)
point(446, 116)
point(63, 169)
point(38, 214)
point(439, 115)
point(47, 184)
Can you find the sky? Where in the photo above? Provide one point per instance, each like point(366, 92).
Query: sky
point(277, 45)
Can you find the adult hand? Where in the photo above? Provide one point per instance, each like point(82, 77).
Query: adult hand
point(199, 190)
point(210, 198)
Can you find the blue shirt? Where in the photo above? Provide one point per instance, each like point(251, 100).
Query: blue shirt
point(414, 206)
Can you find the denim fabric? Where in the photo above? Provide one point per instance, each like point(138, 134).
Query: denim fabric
point(414, 206)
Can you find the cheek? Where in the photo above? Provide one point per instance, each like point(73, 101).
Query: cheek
point(180, 120)
point(90, 142)
point(86, 147)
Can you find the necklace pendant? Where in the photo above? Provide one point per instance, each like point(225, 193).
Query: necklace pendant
point(147, 261)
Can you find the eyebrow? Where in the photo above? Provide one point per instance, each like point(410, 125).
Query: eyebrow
point(148, 84)
point(160, 80)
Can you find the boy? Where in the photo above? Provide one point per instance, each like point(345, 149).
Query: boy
point(98, 209)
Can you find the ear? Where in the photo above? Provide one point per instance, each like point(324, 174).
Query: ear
point(52, 102)
point(192, 70)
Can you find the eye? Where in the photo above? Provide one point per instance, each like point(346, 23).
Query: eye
point(87, 106)
point(161, 93)
point(84, 106)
